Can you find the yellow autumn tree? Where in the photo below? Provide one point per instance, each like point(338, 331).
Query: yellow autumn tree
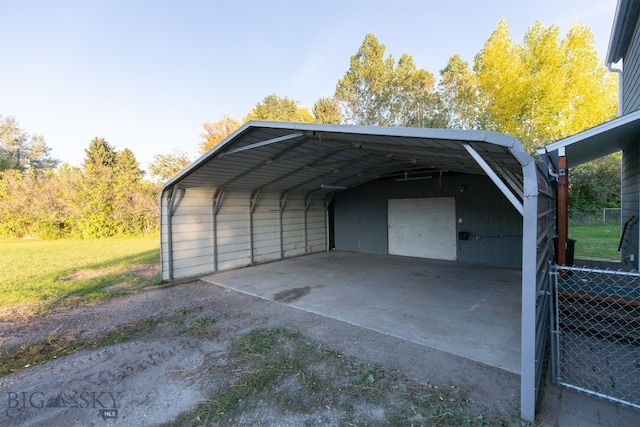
point(216, 132)
point(544, 88)
point(279, 109)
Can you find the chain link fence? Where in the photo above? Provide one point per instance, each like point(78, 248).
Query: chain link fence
point(603, 216)
point(596, 333)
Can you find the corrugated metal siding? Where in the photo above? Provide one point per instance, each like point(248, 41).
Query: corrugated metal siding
point(539, 229)
point(164, 237)
point(495, 226)
point(360, 219)
point(191, 226)
point(546, 229)
point(266, 230)
point(242, 238)
point(316, 229)
point(293, 233)
point(232, 231)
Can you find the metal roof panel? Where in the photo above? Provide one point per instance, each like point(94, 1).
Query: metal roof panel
point(280, 156)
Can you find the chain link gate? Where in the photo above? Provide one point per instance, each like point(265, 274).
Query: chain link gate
point(595, 336)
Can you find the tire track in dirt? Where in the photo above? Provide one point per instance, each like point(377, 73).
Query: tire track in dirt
point(147, 382)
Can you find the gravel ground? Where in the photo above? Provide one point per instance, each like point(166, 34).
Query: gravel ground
point(152, 379)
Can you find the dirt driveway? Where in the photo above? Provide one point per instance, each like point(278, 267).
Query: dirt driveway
point(190, 354)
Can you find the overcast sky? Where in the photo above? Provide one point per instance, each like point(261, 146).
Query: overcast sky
point(145, 74)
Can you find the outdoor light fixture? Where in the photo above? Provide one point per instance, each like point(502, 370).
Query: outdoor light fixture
point(333, 187)
point(414, 178)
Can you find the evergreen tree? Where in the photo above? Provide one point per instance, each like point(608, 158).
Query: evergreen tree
point(327, 110)
point(99, 155)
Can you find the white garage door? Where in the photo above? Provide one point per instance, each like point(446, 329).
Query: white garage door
point(423, 228)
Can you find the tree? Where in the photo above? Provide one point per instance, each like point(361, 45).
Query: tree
point(13, 144)
point(413, 100)
point(377, 91)
point(545, 88)
point(108, 199)
point(500, 79)
point(596, 184)
point(364, 92)
point(126, 167)
point(35, 204)
point(458, 89)
point(165, 166)
point(6, 160)
point(327, 110)
point(39, 158)
point(21, 151)
point(591, 91)
point(99, 155)
point(216, 132)
point(281, 109)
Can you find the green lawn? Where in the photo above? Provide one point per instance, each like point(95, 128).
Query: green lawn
point(43, 275)
point(46, 274)
point(596, 241)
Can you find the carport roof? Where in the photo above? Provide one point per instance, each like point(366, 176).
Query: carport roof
point(319, 159)
point(599, 141)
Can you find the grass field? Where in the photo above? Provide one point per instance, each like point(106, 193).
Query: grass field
point(596, 241)
point(42, 275)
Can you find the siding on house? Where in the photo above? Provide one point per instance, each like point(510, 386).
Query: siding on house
point(630, 200)
point(631, 81)
point(495, 226)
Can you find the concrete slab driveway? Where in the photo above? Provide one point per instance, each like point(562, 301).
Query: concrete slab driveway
point(468, 310)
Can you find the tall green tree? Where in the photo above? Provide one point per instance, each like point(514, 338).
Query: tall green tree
point(281, 109)
point(127, 168)
point(99, 155)
point(377, 91)
point(13, 144)
point(365, 91)
point(462, 108)
point(414, 102)
point(106, 203)
point(21, 151)
point(39, 156)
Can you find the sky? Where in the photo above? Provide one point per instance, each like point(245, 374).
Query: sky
point(146, 74)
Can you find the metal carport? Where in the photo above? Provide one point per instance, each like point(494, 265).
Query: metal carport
point(263, 194)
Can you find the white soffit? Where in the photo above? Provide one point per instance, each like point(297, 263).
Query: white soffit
point(599, 141)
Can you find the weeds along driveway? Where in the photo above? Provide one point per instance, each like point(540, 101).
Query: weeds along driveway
point(189, 353)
